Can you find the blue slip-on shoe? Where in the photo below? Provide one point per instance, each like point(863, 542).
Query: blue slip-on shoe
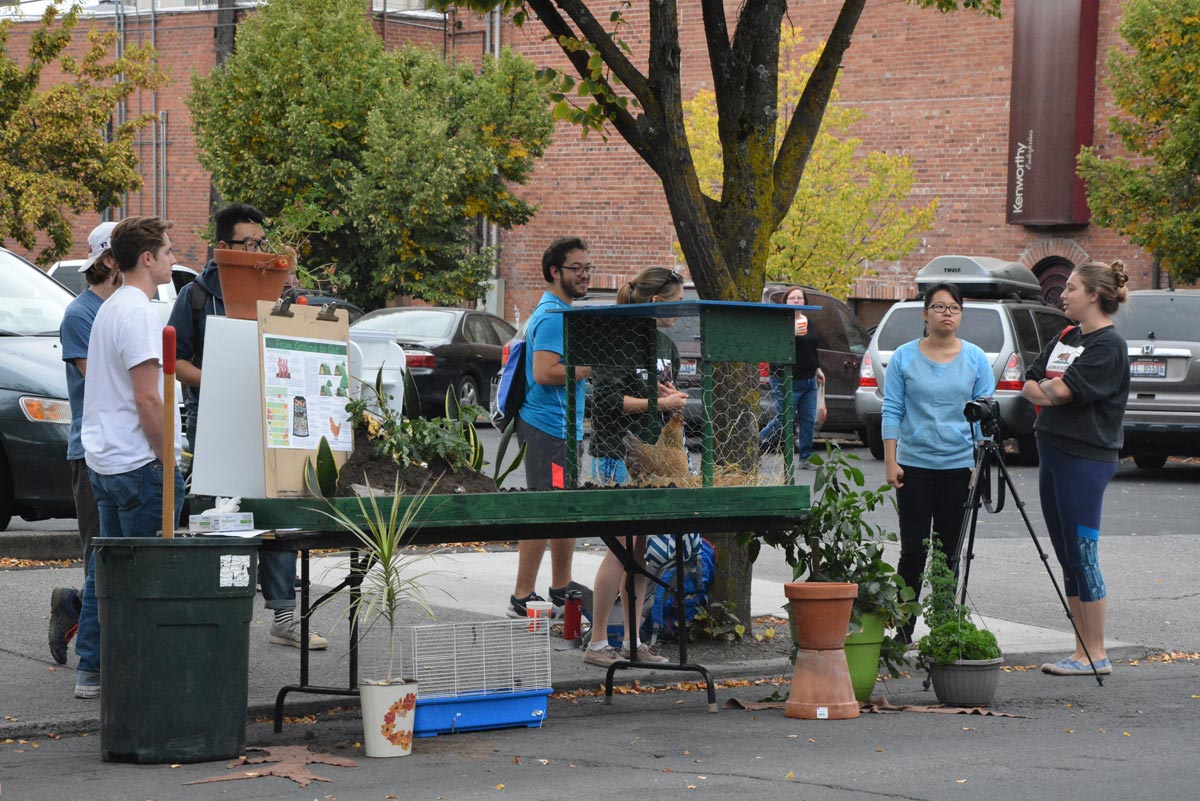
point(1074, 667)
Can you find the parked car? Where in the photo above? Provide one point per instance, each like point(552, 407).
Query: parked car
point(66, 272)
point(1162, 417)
point(445, 347)
point(35, 416)
point(1003, 314)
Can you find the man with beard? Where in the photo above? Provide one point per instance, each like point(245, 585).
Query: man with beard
point(542, 420)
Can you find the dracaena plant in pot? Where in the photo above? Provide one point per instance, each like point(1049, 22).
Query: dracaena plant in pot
point(391, 580)
point(963, 660)
point(842, 584)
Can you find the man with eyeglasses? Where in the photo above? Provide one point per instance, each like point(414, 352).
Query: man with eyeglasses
point(238, 226)
point(542, 420)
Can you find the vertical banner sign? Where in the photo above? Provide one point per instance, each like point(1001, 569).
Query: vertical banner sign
point(1051, 111)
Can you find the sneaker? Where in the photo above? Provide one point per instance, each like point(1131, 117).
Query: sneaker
point(559, 598)
point(645, 653)
point(87, 684)
point(516, 607)
point(289, 634)
point(603, 657)
point(64, 621)
point(1074, 667)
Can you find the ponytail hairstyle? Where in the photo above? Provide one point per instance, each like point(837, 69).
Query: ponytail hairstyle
point(1107, 281)
point(648, 283)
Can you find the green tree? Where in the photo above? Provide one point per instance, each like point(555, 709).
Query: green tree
point(848, 209)
point(727, 241)
point(1154, 199)
point(61, 155)
point(380, 161)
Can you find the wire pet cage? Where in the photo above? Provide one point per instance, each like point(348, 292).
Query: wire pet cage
point(473, 676)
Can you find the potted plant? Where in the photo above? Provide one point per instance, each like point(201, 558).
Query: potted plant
point(963, 660)
point(842, 584)
point(388, 583)
point(249, 276)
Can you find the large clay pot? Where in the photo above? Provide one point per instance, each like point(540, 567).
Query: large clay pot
point(247, 278)
point(388, 713)
point(821, 686)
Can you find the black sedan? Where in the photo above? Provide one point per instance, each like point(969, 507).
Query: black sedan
point(35, 417)
point(445, 347)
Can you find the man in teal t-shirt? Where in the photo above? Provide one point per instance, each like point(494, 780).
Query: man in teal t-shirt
point(542, 420)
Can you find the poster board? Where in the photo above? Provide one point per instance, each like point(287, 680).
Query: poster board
point(304, 380)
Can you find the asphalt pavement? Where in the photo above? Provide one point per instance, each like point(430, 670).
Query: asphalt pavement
point(1071, 734)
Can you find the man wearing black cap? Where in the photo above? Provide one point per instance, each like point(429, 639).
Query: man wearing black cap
point(103, 279)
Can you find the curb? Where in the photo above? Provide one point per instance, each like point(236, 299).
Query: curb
point(42, 545)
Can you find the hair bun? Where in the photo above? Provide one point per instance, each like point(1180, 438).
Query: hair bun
point(1119, 275)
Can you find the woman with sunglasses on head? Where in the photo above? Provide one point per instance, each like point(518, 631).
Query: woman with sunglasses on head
point(807, 379)
point(1081, 384)
point(619, 408)
point(927, 442)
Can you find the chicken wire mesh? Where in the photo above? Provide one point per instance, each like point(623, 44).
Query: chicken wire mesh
point(452, 660)
point(679, 392)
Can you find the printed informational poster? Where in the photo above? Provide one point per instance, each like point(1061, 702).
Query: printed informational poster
point(307, 383)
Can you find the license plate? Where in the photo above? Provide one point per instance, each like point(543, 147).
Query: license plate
point(687, 367)
point(1148, 368)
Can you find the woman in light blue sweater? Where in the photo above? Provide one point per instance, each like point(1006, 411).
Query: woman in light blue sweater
point(927, 443)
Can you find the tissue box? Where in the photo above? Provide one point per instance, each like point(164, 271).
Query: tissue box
point(226, 521)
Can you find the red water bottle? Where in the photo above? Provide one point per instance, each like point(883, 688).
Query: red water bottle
point(572, 615)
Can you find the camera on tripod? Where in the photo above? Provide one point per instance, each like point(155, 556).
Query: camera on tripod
point(986, 412)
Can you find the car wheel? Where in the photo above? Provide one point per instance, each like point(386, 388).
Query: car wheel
point(468, 392)
point(875, 441)
point(1149, 460)
point(6, 492)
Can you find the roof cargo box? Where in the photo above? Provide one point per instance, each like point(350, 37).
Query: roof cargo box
point(980, 277)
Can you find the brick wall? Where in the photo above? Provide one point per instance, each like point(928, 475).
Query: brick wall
point(934, 87)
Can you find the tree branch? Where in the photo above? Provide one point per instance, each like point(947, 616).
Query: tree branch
point(622, 120)
point(802, 130)
point(612, 54)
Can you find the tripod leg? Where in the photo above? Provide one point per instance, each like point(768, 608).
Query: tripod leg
point(966, 537)
point(1079, 639)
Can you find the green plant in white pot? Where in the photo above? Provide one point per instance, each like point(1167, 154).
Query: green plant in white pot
point(389, 582)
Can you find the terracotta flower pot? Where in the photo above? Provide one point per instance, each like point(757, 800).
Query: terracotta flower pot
point(821, 685)
point(247, 278)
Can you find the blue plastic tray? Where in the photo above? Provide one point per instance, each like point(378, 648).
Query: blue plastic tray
point(436, 716)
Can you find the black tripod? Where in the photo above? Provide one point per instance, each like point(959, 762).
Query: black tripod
point(979, 495)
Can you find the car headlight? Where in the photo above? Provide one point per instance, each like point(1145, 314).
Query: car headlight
point(46, 410)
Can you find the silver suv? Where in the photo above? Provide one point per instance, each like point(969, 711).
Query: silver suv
point(1012, 331)
point(1163, 415)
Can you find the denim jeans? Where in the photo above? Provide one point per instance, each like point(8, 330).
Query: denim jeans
point(130, 505)
point(277, 577)
point(804, 401)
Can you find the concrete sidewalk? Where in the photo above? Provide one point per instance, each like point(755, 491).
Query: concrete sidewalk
point(36, 695)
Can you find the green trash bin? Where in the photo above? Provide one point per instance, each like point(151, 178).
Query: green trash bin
point(174, 646)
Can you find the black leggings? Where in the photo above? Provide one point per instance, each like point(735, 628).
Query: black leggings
point(929, 498)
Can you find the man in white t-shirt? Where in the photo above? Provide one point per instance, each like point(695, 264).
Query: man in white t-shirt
point(122, 429)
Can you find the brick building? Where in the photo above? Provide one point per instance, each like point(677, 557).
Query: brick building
point(934, 87)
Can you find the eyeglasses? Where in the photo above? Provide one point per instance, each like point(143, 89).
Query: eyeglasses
point(942, 308)
point(585, 269)
point(252, 244)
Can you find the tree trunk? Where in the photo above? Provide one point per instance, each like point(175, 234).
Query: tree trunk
point(732, 575)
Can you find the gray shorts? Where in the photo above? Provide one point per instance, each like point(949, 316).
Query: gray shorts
point(545, 457)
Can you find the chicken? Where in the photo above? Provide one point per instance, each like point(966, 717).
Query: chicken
point(664, 462)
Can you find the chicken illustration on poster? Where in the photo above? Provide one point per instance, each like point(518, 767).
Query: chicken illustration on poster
point(307, 387)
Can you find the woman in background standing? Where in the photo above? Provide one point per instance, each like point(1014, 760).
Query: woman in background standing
point(807, 379)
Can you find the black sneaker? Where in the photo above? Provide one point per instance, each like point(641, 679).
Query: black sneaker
point(559, 598)
point(516, 606)
point(64, 621)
